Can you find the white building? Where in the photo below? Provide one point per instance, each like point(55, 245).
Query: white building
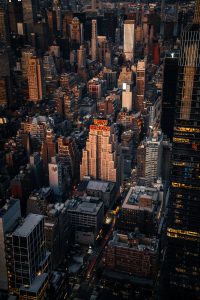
point(56, 177)
point(153, 157)
point(129, 39)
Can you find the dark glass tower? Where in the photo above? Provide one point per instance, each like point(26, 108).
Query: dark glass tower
point(183, 222)
point(169, 95)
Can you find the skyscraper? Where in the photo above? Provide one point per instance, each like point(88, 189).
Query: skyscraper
point(169, 94)
point(129, 39)
point(27, 258)
point(183, 222)
point(100, 159)
point(140, 85)
point(9, 216)
point(35, 79)
point(94, 40)
point(30, 8)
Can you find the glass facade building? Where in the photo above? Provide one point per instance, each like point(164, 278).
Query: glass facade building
point(183, 222)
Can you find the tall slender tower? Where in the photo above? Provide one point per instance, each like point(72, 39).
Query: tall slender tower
point(183, 221)
point(36, 85)
point(129, 39)
point(94, 40)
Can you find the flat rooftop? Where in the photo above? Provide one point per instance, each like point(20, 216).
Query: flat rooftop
point(83, 206)
point(30, 222)
point(135, 194)
point(37, 283)
point(134, 241)
point(103, 186)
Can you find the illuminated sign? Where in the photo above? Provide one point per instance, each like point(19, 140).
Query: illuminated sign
point(99, 127)
point(100, 122)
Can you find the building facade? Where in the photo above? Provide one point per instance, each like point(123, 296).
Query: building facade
point(183, 222)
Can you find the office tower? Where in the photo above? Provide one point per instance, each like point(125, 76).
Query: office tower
point(153, 157)
point(100, 160)
point(49, 147)
point(183, 221)
point(125, 82)
point(52, 24)
point(69, 106)
point(86, 217)
point(126, 153)
point(9, 216)
point(129, 39)
point(141, 158)
point(26, 54)
point(111, 78)
point(36, 85)
point(27, 258)
point(3, 26)
point(104, 53)
point(57, 179)
point(94, 40)
point(170, 74)
point(37, 169)
point(50, 72)
point(21, 186)
point(140, 85)
point(76, 33)
point(149, 157)
point(30, 8)
point(110, 24)
point(81, 57)
point(15, 14)
point(68, 154)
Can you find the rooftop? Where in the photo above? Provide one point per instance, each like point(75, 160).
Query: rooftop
point(102, 186)
point(30, 222)
point(134, 240)
point(141, 198)
point(85, 206)
point(37, 283)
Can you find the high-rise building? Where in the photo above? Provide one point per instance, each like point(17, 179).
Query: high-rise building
point(100, 159)
point(26, 54)
point(10, 213)
point(57, 180)
point(3, 26)
point(36, 85)
point(49, 147)
point(183, 221)
point(81, 57)
point(129, 39)
point(170, 74)
point(76, 33)
point(30, 8)
point(94, 40)
point(15, 14)
point(149, 157)
point(140, 85)
point(68, 154)
point(27, 258)
point(125, 82)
